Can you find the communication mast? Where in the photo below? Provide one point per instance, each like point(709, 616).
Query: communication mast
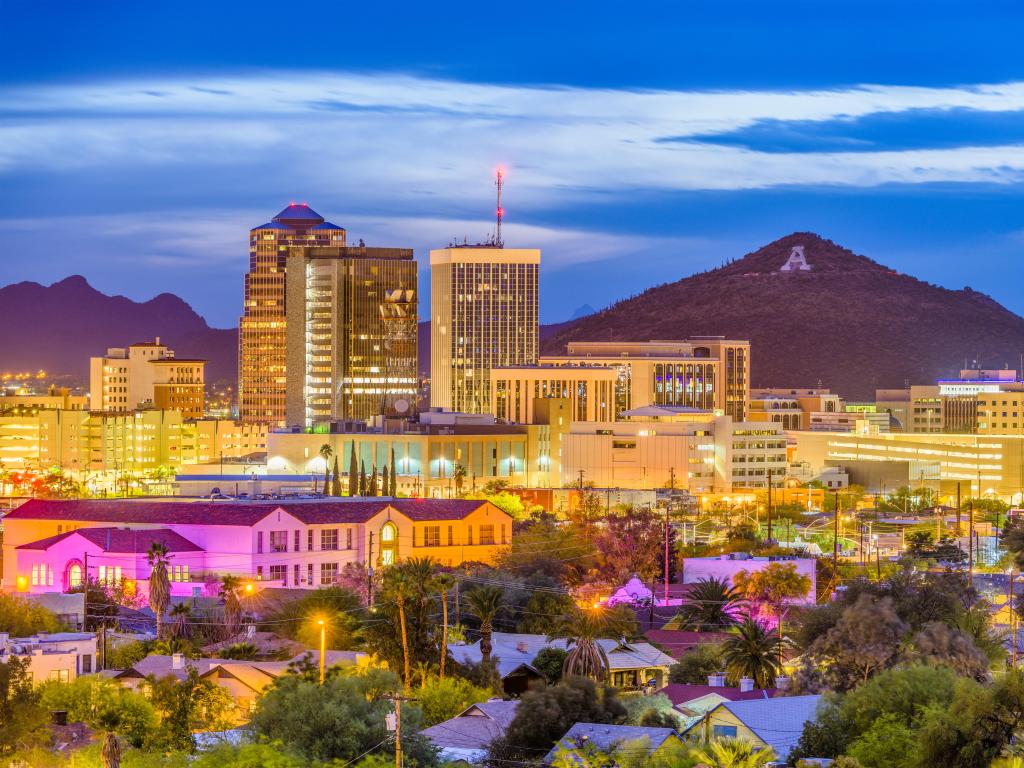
point(498, 182)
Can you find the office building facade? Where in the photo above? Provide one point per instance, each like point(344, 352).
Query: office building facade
point(147, 375)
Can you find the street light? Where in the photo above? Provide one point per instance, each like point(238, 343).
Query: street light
point(323, 647)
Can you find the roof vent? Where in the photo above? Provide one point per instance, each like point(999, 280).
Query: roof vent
point(716, 680)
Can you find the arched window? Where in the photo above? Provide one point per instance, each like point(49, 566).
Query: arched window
point(73, 574)
point(388, 544)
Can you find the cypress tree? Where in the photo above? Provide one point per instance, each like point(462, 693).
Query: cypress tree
point(353, 472)
point(327, 480)
point(393, 488)
point(371, 489)
point(385, 482)
point(336, 480)
point(362, 479)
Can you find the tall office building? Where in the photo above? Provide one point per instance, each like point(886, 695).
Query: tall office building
point(262, 329)
point(351, 333)
point(484, 308)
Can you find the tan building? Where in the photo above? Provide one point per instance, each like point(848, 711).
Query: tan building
point(56, 398)
point(484, 315)
point(813, 400)
point(351, 333)
point(146, 375)
point(262, 334)
point(590, 391)
point(776, 409)
point(703, 372)
point(1000, 413)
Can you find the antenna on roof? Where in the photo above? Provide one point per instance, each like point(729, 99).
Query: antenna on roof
point(499, 181)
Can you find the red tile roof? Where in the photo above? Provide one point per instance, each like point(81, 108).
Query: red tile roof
point(680, 693)
point(122, 540)
point(676, 642)
point(237, 513)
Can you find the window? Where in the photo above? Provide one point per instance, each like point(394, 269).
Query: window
point(329, 538)
point(279, 573)
point(503, 539)
point(179, 573)
point(60, 675)
point(432, 536)
point(42, 575)
point(328, 573)
point(309, 573)
point(86, 663)
point(486, 534)
point(451, 536)
point(279, 541)
point(348, 538)
point(724, 731)
point(298, 541)
point(309, 541)
point(296, 573)
point(388, 544)
point(109, 575)
point(75, 575)
point(259, 542)
point(259, 573)
point(469, 535)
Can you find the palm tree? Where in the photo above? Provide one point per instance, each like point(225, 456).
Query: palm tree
point(581, 630)
point(229, 586)
point(733, 753)
point(399, 584)
point(180, 614)
point(444, 583)
point(485, 603)
point(710, 605)
point(752, 651)
point(159, 583)
point(325, 453)
point(111, 752)
point(459, 476)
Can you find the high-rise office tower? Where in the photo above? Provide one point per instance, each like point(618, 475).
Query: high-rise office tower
point(351, 333)
point(484, 315)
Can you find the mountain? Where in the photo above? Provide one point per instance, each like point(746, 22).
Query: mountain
point(58, 327)
point(848, 322)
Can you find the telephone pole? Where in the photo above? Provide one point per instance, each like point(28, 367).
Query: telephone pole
point(769, 505)
point(835, 540)
point(666, 557)
point(970, 542)
point(395, 719)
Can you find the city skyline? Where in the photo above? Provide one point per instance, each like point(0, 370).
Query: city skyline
point(719, 134)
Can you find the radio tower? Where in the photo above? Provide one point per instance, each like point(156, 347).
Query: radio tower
point(498, 182)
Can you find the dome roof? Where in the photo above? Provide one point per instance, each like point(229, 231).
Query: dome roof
point(299, 215)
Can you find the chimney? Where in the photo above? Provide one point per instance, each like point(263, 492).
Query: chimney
point(716, 680)
point(158, 341)
point(746, 684)
point(177, 661)
point(782, 682)
point(4, 639)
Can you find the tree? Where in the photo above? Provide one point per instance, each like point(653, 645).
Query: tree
point(335, 480)
point(629, 543)
point(340, 720)
point(550, 662)
point(180, 615)
point(159, 583)
point(711, 606)
point(546, 548)
point(545, 714)
point(20, 618)
point(393, 489)
point(733, 753)
point(888, 743)
point(694, 667)
point(444, 583)
point(485, 602)
point(190, 704)
point(353, 472)
point(325, 453)
point(22, 718)
point(751, 651)
point(111, 750)
point(400, 586)
point(385, 481)
point(371, 488)
point(362, 479)
point(941, 645)
point(542, 612)
point(459, 476)
point(89, 698)
point(582, 629)
point(442, 700)
point(229, 586)
point(773, 587)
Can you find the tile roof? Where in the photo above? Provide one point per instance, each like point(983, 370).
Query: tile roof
point(474, 728)
point(122, 540)
point(676, 642)
point(607, 737)
point(777, 722)
point(238, 513)
point(681, 693)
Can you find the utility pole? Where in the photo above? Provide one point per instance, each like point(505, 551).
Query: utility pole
point(769, 505)
point(835, 540)
point(958, 509)
point(369, 573)
point(396, 720)
point(1013, 623)
point(666, 557)
point(970, 543)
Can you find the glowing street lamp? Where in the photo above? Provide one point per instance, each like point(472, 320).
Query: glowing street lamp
point(323, 647)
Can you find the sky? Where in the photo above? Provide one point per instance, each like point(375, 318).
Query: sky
point(139, 142)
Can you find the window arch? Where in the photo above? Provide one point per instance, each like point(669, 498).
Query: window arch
point(388, 544)
point(73, 574)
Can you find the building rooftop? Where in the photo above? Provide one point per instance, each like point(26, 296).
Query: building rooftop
point(680, 693)
point(122, 540)
point(475, 727)
point(777, 722)
point(607, 737)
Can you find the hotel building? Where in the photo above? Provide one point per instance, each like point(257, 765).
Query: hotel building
point(351, 333)
point(144, 375)
point(703, 372)
point(484, 315)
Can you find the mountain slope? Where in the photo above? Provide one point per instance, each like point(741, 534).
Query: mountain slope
point(850, 322)
point(58, 327)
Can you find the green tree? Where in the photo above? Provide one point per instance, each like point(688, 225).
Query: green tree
point(336, 480)
point(110, 753)
point(89, 698)
point(459, 476)
point(942, 645)
point(628, 542)
point(372, 488)
point(20, 618)
point(485, 602)
point(444, 583)
point(159, 583)
point(228, 592)
point(340, 720)
point(362, 479)
point(888, 743)
point(695, 666)
point(22, 718)
point(257, 755)
point(180, 615)
point(544, 547)
point(751, 651)
point(733, 753)
point(549, 662)
point(441, 700)
point(542, 612)
point(190, 704)
point(582, 629)
point(353, 472)
point(711, 606)
point(325, 453)
point(393, 488)
point(773, 587)
point(385, 481)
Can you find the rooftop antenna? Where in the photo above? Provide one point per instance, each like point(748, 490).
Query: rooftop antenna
point(499, 181)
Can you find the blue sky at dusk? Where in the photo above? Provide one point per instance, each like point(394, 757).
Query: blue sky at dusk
point(643, 142)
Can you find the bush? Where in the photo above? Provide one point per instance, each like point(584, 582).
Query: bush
point(124, 655)
point(88, 698)
point(21, 618)
point(441, 700)
point(549, 663)
point(695, 666)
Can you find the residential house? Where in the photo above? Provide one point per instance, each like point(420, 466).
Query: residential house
point(776, 722)
point(693, 702)
point(608, 738)
point(468, 735)
point(60, 656)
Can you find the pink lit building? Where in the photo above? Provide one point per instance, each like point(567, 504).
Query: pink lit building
point(49, 545)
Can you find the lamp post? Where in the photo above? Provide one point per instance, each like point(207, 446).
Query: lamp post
point(323, 647)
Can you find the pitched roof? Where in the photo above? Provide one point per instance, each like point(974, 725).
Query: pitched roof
point(681, 693)
point(239, 513)
point(607, 737)
point(122, 540)
point(299, 212)
point(777, 722)
point(676, 642)
point(475, 727)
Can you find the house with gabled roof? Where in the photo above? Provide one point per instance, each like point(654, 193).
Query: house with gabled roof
point(49, 544)
point(572, 748)
point(776, 722)
point(468, 735)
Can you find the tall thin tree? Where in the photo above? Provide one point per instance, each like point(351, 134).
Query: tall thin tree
point(362, 478)
point(385, 482)
point(393, 490)
point(353, 472)
point(371, 488)
point(444, 583)
point(485, 603)
point(159, 583)
point(325, 453)
point(229, 586)
point(336, 480)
